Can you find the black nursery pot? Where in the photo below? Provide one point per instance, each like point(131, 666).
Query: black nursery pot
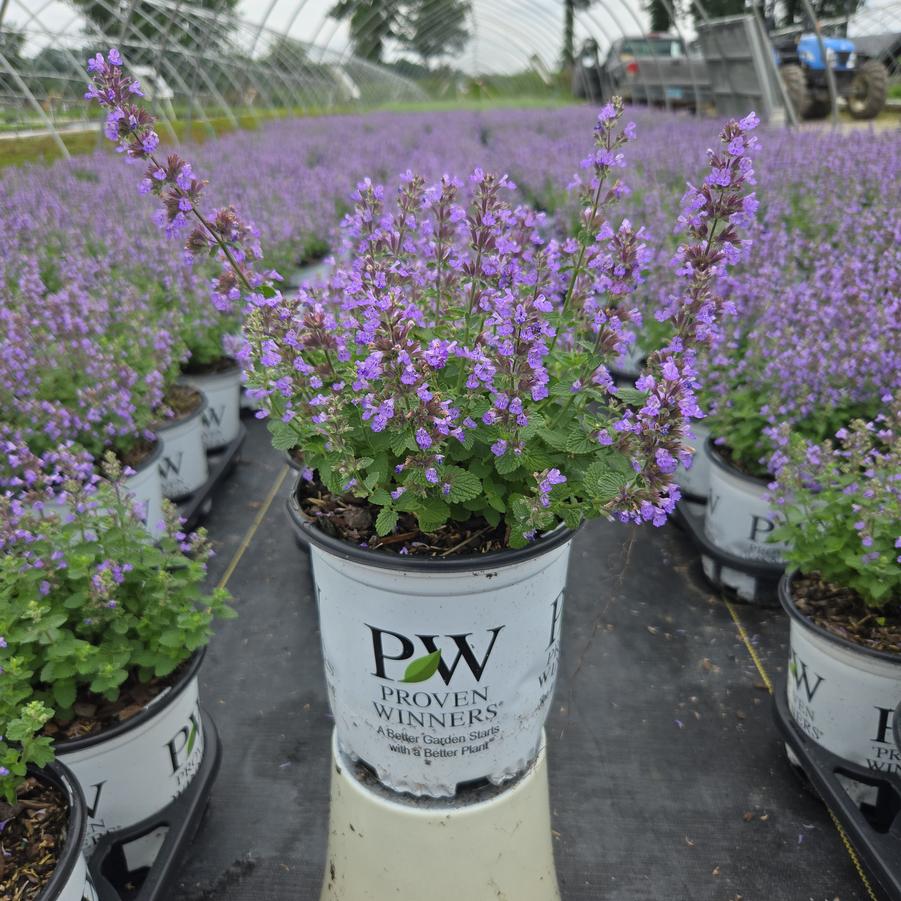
point(70, 880)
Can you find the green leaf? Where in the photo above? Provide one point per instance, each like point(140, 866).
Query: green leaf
point(464, 485)
point(192, 738)
point(422, 668)
point(283, 436)
point(554, 438)
point(580, 442)
point(602, 483)
point(632, 396)
point(506, 464)
point(386, 521)
point(432, 514)
point(399, 442)
point(64, 693)
point(571, 517)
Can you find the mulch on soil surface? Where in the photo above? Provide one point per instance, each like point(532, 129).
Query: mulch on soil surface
point(32, 834)
point(843, 613)
point(353, 519)
point(94, 714)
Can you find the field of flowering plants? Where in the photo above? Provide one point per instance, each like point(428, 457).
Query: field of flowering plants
point(817, 296)
point(749, 295)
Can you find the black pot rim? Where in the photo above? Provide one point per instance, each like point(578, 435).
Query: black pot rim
point(378, 560)
point(161, 702)
point(60, 777)
point(196, 413)
point(717, 459)
point(788, 604)
point(292, 462)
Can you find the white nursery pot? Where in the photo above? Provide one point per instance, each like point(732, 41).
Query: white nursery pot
point(135, 769)
point(694, 481)
point(222, 417)
point(183, 465)
point(146, 487)
point(738, 518)
point(70, 880)
point(494, 618)
point(845, 697)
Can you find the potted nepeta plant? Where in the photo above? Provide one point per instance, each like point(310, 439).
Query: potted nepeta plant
point(449, 391)
point(838, 510)
point(42, 808)
point(789, 359)
point(73, 371)
point(107, 629)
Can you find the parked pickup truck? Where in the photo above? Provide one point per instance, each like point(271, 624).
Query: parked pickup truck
point(653, 69)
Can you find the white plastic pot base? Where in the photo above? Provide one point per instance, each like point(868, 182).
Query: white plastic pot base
point(844, 700)
point(135, 774)
point(222, 416)
point(381, 848)
point(743, 584)
point(183, 465)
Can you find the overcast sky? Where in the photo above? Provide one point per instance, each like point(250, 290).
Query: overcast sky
point(507, 33)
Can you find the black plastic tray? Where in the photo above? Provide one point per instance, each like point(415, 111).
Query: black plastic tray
point(112, 878)
point(765, 575)
point(873, 829)
point(196, 507)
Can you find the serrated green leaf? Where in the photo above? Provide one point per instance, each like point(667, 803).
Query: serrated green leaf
point(578, 441)
point(386, 521)
point(422, 668)
point(554, 438)
point(283, 435)
point(507, 463)
point(398, 442)
point(535, 425)
point(571, 517)
point(464, 485)
point(602, 483)
point(380, 497)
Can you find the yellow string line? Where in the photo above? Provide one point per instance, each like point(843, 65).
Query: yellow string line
point(743, 634)
point(248, 537)
point(764, 675)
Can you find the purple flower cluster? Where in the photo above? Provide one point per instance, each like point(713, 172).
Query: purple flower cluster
point(449, 327)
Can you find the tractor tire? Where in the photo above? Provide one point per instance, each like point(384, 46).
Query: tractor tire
point(818, 109)
point(866, 99)
point(795, 82)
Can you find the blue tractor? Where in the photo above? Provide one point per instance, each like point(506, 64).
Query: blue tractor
point(862, 82)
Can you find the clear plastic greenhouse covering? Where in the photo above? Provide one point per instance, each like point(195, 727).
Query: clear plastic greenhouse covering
point(260, 58)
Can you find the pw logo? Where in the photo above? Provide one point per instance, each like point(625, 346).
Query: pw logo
point(170, 467)
point(798, 668)
point(213, 417)
point(392, 646)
